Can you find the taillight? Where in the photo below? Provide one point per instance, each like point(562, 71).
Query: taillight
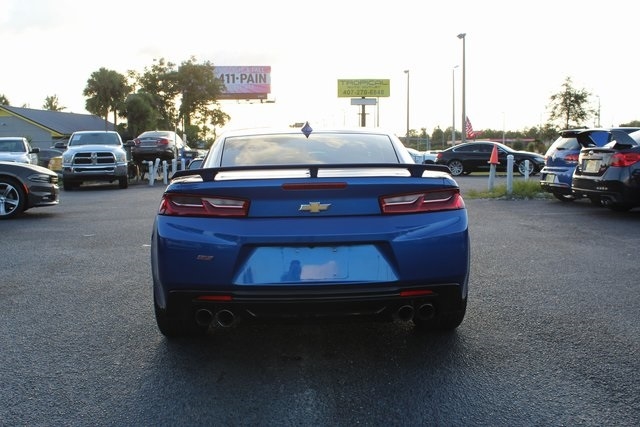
point(136, 141)
point(162, 141)
point(194, 205)
point(571, 158)
point(429, 201)
point(622, 160)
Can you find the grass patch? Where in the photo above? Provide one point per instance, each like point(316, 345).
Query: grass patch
point(521, 190)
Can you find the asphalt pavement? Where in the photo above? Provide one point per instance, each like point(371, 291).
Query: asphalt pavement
point(551, 335)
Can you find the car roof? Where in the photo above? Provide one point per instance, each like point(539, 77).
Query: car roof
point(289, 130)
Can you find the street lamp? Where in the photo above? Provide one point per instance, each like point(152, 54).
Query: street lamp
point(453, 105)
point(464, 103)
point(407, 134)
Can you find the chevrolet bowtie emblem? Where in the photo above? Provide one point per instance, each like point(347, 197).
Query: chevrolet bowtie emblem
point(314, 207)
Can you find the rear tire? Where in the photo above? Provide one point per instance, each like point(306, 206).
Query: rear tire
point(456, 167)
point(12, 198)
point(564, 197)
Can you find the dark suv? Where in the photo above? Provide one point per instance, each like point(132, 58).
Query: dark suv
point(561, 158)
point(158, 144)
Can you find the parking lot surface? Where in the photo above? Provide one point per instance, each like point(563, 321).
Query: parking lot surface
point(551, 335)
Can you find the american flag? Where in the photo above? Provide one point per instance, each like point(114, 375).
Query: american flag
point(469, 129)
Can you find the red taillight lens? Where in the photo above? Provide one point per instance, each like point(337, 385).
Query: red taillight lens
point(162, 141)
point(193, 205)
point(415, 293)
point(429, 201)
point(214, 298)
point(622, 160)
point(571, 158)
point(136, 141)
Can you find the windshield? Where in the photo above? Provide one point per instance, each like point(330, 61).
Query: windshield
point(100, 138)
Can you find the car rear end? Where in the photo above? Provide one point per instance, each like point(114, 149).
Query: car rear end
point(610, 174)
point(379, 241)
point(561, 158)
point(150, 146)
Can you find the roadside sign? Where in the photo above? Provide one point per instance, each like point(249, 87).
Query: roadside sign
point(363, 101)
point(374, 88)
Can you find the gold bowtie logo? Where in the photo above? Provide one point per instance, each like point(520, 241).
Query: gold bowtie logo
point(314, 207)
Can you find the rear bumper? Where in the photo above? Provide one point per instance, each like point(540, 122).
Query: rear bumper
point(384, 304)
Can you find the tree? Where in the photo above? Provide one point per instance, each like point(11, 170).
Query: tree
point(52, 103)
point(106, 91)
point(570, 106)
point(4, 100)
point(198, 86)
point(159, 81)
point(140, 113)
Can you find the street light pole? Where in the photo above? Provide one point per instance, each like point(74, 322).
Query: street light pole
point(453, 105)
point(407, 134)
point(464, 101)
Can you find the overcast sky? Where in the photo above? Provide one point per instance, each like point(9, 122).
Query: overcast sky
point(517, 54)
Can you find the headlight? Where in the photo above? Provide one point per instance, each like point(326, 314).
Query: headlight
point(67, 158)
point(40, 177)
point(121, 157)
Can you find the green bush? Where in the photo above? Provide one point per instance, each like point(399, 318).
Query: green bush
point(521, 190)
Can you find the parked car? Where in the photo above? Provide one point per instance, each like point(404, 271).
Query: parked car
point(46, 154)
point(611, 173)
point(94, 155)
point(421, 156)
point(18, 149)
point(24, 186)
point(474, 156)
point(160, 144)
point(561, 158)
point(299, 223)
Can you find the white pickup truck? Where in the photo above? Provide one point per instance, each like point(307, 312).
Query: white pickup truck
point(94, 156)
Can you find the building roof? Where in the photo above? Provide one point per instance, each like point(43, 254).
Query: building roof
point(59, 121)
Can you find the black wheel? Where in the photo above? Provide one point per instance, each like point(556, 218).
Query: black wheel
point(564, 197)
point(522, 169)
point(12, 198)
point(176, 327)
point(595, 201)
point(441, 321)
point(455, 167)
point(123, 182)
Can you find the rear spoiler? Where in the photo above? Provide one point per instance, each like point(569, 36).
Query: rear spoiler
point(416, 170)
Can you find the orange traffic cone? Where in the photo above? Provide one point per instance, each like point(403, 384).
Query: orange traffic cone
point(494, 156)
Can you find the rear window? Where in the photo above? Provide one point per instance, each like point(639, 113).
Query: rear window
point(284, 149)
point(12, 145)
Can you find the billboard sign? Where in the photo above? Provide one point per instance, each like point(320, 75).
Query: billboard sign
point(373, 88)
point(244, 82)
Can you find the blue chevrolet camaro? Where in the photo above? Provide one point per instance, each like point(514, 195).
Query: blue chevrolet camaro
point(303, 223)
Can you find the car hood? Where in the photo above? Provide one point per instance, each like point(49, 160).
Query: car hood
point(20, 157)
point(10, 165)
point(94, 147)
